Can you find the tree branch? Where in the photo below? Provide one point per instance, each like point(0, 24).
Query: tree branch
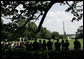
point(23, 25)
point(45, 13)
point(39, 8)
point(68, 3)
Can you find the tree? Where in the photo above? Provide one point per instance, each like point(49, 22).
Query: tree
point(32, 27)
point(45, 33)
point(76, 8)
point(61, 36)
point(55, 35)
point(6, 31)
point(31, 8)
point(27, 31)
point(79, 32)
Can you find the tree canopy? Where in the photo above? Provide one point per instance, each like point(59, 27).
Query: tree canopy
point(79, 32)
point(31, 9)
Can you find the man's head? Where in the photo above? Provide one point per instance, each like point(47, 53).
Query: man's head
point(57, 40)
point(35, 40)
point(49, 39)
point(76, 39)
point(44, 41)
point(40, 41)
point(66, 40)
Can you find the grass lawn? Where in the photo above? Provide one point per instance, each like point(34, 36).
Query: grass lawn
point(72, 42)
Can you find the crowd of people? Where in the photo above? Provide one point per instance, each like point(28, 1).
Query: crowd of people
point(63, 45)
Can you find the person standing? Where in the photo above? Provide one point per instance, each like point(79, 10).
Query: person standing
point(66, 45)
point(77, 44)
point(44, 45)
point(28, 47)
point(35, 45)
point(57, 45)
point(49, 45)
point(62, 43)
point(40, 45)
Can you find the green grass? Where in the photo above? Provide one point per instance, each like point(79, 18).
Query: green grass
point(72, 42)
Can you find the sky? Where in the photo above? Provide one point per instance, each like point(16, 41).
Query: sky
point(56, 16)
point(54, 20)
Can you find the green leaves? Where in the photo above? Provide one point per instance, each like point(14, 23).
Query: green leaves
point(76, 9)
point(73, 19)
point(55, 35)
point(79, 32)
